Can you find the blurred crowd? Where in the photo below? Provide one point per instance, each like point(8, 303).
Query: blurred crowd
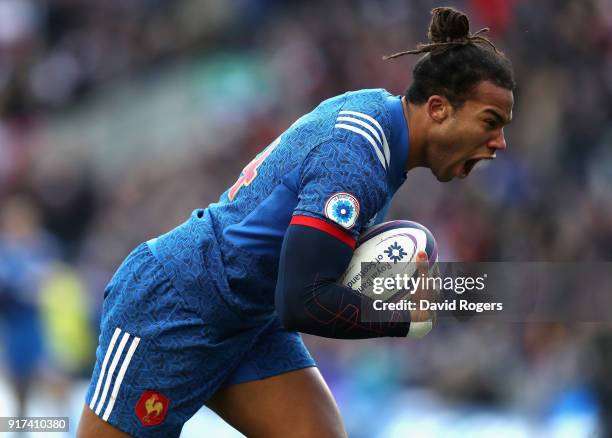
point(67, 220)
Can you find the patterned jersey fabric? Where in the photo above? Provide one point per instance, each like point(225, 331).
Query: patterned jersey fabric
point(340, 163)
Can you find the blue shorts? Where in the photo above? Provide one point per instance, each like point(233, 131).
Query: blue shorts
point(162, 354)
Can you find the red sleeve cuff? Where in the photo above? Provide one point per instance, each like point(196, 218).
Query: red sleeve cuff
point(327, 227)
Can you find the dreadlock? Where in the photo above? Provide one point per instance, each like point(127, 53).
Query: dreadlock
point(455, 60)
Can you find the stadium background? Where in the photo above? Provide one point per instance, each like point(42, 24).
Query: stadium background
point(119, 118)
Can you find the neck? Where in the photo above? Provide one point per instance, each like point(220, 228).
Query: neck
point(417, 155)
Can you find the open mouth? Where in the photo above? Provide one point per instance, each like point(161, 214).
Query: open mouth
point(468, 165)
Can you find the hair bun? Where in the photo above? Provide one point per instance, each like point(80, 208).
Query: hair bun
point(448, 25)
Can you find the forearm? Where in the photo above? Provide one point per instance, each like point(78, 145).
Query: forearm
point(334, 311)
point(309, 300)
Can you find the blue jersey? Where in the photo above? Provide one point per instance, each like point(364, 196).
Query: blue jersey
point(193, 310)
point(336, 168)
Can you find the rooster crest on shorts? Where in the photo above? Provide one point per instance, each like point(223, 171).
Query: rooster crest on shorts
point(342, 208)
point(151, 408)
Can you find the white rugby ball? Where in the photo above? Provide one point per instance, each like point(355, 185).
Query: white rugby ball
point(388, 247)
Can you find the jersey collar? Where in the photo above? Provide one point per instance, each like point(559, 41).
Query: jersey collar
point(399, 141)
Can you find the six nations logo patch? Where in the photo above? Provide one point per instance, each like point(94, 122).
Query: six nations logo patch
point(342, 208)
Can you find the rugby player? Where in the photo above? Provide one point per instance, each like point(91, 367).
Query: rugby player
point(208, 313)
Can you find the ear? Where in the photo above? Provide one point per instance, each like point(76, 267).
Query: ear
point(438, 108)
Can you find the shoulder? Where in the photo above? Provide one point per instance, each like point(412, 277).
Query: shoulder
point(346, 167)
point(368, 101)
point(364, 120)
point(352, 127)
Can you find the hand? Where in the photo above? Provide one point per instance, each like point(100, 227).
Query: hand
point(422, 297)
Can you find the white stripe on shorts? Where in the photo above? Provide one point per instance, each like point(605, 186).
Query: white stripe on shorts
point(103, 370)
point(122, 370)
point(111, 371)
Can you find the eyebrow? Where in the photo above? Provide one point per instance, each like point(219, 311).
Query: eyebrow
point(500, 119)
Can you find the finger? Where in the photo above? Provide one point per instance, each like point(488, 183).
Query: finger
point(422, 263)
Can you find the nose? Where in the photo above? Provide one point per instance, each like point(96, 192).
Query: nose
point(499, 141)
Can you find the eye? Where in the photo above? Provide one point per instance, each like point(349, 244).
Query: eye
point(491, 123)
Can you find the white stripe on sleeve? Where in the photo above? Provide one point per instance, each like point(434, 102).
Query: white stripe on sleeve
point(367, 137)
point(362, 123)
point(375, 123)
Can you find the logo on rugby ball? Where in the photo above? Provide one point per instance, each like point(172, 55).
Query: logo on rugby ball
point(395, 252)
point(342, 208)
